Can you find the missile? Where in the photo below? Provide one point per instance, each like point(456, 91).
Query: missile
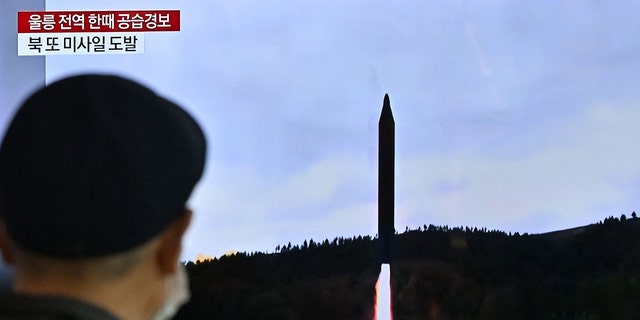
point(386, 163)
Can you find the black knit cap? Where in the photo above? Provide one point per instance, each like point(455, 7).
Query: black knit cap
point(94, 165)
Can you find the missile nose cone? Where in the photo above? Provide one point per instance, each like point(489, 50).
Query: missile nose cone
point(386, 115)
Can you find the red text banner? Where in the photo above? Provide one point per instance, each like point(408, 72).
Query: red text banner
point(98, 21)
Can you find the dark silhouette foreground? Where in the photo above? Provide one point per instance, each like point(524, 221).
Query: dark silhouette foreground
point(591, 272)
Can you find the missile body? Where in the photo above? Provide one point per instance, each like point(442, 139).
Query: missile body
point(386, 163)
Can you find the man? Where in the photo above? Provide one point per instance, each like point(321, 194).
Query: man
point(95, 173)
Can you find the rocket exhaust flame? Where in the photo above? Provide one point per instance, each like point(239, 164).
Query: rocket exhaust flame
point(383, 294)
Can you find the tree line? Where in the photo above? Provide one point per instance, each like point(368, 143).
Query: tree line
point(454, 272)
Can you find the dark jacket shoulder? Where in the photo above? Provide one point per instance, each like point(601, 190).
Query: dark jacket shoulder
point(26, 307)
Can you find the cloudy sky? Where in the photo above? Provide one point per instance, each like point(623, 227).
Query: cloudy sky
point(513, 115)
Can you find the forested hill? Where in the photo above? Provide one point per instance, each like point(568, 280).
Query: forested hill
point(590, 272)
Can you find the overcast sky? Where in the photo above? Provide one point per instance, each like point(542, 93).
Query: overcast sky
point(513, 115)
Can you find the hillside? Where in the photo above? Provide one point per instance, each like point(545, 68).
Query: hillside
point(590, 272)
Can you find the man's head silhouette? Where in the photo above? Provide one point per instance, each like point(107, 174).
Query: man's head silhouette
point(95, 173)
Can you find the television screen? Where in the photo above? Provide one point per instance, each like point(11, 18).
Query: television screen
point(516, 116)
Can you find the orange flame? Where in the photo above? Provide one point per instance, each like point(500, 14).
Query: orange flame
point(383, 295)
